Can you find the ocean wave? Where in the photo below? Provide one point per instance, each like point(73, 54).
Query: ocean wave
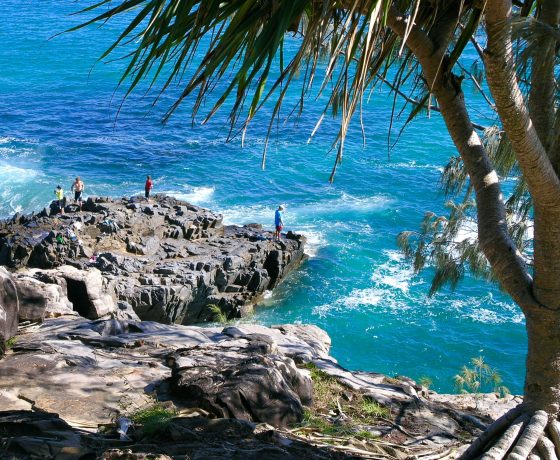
point(317, 211)
point(394, 273)
point(16, 175)
point(411, 164)
point(17, 188)
point(487, 310)
point(315, 241)
point(194, 195)
point(395, 290)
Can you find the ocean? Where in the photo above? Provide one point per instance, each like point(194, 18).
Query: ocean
point(62, 115)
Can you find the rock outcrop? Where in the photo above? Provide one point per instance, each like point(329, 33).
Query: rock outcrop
point(92, 370)
point(9, 308)
point(165, 261)
point(68, 380)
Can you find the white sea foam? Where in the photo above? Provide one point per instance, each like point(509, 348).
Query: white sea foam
point(194, 195)
point(391, 279)
point(468, 231)
point(394, 273)
point(345, 203)
point(297, 214)
point(414, 165)
point(315, 241)
point(240, 215)
point(486, 309)
point(14, 186)
point(14, 174)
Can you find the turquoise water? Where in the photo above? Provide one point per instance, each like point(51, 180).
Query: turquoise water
point(58, 119)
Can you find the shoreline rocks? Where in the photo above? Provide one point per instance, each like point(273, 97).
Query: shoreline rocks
point(165, 261)
point(67, 378)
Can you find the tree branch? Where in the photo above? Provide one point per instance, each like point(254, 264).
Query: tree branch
point(505, 259)
point(542, 181)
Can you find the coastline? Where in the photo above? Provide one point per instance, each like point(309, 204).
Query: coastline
point(87, 355)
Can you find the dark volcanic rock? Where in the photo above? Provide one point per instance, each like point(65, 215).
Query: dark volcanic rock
point(168, 260)
point(9, 308)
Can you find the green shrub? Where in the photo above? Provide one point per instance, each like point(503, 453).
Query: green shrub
point(480, 378)
point(11, 342)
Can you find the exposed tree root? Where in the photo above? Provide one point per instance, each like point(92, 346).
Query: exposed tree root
point(554, 433)
point(546, 448)
point(495, 429)
point(500, 449)
point(530, 436)
point(518, 435)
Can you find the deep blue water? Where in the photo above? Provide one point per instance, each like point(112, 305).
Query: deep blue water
point(58, 119)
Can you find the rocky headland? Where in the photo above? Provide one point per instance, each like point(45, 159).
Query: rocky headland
point(165, 261)
point(99, 361)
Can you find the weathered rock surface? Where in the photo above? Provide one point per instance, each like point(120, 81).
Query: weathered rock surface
point(249, 383)
point(91, 373)
point(34, 435)
point(88, 371)
point(9, 308)
point(166, 261)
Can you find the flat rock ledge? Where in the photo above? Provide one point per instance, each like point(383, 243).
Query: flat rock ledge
point(165, 261)
point(237, 391)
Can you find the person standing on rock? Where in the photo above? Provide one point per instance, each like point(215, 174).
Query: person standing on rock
point(278, 222)
point(78, 189)
point(148, 187)
point(59, 192)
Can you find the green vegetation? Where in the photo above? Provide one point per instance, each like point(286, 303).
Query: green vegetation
point(11, 342)
point(153, 419)
point(337, 411)
point(480, 378)
point(218, 315)
point(425, 381)
point(374, 409)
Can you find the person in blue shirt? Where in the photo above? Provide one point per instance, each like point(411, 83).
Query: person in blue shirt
point(278, 222)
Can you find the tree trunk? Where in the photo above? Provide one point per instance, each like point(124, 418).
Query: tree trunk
point(542, 381)
point(542, 385)
point(547, 256)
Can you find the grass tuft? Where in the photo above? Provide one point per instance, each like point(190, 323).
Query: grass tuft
point(374, 409)
point(153, 419)
point(338, 411)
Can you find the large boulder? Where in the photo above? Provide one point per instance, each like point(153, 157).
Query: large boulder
point(9, 307)
point(64, 290)
point(251, 383)
point(87, 292)
point(38, 300)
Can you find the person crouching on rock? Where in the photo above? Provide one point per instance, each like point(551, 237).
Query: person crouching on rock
point(278, 222)
point(60, 198)
point(148, 187)
point(78, 189)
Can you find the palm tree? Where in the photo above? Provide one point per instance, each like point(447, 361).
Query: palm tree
point(345, 47)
